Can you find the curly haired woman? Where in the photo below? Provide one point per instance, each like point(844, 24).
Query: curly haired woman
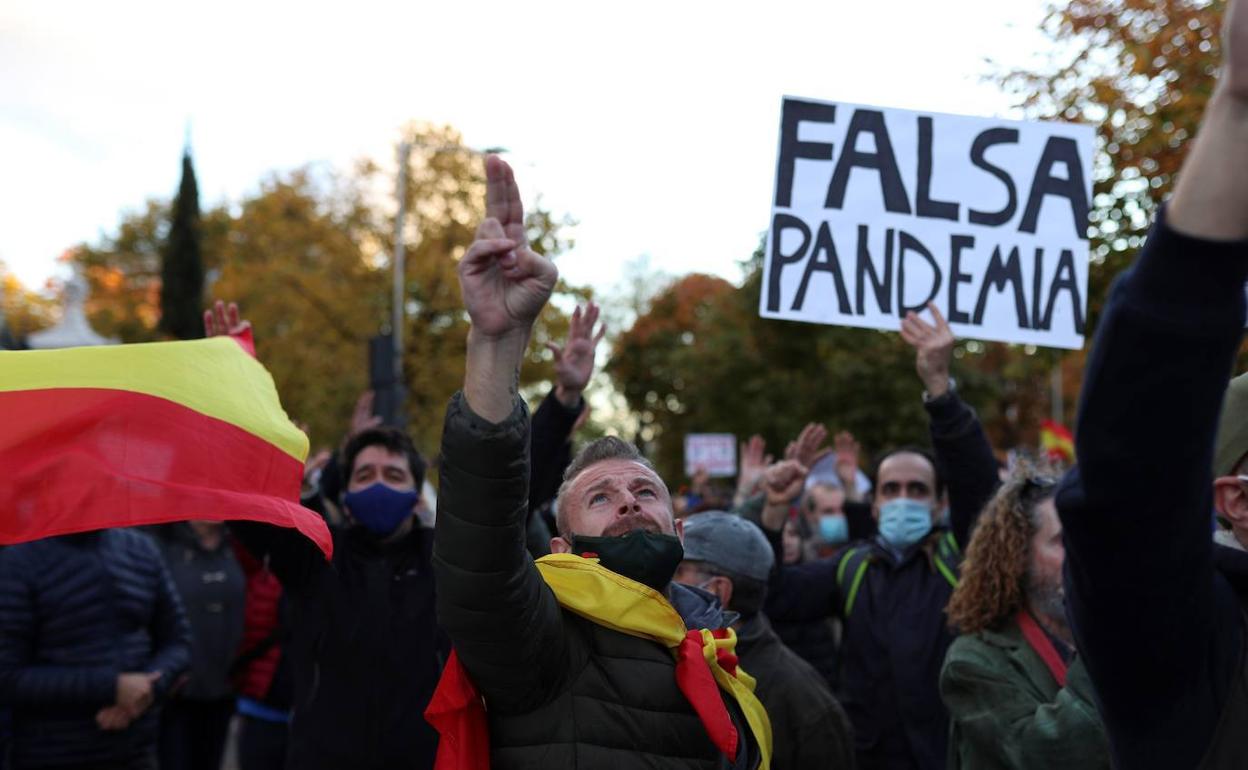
point(1017, 694)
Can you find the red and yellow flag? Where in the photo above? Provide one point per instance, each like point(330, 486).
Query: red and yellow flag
point(1057, 442)
point(127, 435)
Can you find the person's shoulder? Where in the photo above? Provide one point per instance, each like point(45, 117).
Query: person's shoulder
point(984, 647)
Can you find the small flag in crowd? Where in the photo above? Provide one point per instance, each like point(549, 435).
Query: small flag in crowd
point(1057, 442)
point(130, 435)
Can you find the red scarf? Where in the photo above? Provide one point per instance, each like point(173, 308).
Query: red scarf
point(1043, 646)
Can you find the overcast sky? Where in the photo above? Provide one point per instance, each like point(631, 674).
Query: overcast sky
point(653, 123)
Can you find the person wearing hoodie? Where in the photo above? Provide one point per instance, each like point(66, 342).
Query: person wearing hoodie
point(591, 656)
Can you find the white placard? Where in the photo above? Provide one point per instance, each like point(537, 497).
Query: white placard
point(877, 211)
point(716, 452)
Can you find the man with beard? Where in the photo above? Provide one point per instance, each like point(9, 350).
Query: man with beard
point(589, 657)
point(1018, 695)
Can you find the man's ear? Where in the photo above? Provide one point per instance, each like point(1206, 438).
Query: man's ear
point(679, 526)
point(1231, 500)
point(721, 587)
point(559, 545)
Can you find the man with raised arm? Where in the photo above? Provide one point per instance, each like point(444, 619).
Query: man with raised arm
point(890, 590)
point(590, 657)
point(1157, 608)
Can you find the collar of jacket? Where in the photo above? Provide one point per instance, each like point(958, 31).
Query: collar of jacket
point(755, 632)
point(586, 588)
point(1232, 563)
point(927, 546)
point(1009, 639)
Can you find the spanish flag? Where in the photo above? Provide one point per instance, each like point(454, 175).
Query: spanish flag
point(1057, 442)
point(127, 435)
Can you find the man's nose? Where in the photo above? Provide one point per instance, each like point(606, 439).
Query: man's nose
point(630, 503)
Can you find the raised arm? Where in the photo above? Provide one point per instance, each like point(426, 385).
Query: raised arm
point(1136, 510)
point(797, 592)
point(503, 620)
point(289, 554)
point(962, 449)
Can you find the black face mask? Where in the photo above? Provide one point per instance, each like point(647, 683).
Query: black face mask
point(647, 557)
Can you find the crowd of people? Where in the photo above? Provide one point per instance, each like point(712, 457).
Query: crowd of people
point(554, 606)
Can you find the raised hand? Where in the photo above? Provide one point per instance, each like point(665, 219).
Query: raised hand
point(362, 417)
point(504, 283)
point(574, 361)
point(808, 447)
point(847, 453)
point(754, 461)
point(222, 320)
point(933, 347)
point(782, 482)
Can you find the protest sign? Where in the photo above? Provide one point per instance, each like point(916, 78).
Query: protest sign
point(716, 452)
point(878, 211)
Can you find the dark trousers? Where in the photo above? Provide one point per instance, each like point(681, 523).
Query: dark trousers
point(193, 733)
point(262, 744)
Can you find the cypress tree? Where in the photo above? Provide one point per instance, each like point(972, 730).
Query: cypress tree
point(182, 266)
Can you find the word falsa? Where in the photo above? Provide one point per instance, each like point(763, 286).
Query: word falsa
point(877, 212)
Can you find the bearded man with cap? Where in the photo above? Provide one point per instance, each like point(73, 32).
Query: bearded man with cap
point(729, 558)
point(589, 657)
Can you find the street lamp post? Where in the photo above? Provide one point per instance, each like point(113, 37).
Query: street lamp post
point(400, 274)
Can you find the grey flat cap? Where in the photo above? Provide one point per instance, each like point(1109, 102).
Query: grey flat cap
point(728, 542)
point(1232, 441)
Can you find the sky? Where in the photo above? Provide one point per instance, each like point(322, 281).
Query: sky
point(654, 124)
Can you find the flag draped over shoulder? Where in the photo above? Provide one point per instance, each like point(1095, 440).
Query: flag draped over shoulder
point(128, 435)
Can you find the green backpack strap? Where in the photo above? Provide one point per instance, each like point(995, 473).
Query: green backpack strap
point(948, 553)
point(854, 563)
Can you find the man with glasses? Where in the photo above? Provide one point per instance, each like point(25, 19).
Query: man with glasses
point(891, 590)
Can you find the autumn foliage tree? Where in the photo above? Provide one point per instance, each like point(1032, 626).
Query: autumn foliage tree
point(307, 258)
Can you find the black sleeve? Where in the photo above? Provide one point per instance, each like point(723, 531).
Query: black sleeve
point(800, 592)
point(549, 449)
point(861, 521)
point(24, 682)
point(291, 556)
point(502, 618)
point(965, 459)
point(1159, 630)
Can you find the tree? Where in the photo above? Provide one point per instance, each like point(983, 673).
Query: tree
point(182, 266)
point(307, 256)
point(1141, 71)
point(700, 359)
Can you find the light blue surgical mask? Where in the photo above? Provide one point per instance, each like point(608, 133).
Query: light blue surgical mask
point(904, 522)
point(833, 528)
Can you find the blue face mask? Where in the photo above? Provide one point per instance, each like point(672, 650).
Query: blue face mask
point(380, 509)
point(833, 529)
point(904, 522)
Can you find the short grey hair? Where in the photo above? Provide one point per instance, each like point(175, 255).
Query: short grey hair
point(599, 450)
point(825, 485)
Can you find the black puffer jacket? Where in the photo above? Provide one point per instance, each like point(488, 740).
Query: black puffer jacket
point(561, 690)
point(75, 612)
point(364, 645)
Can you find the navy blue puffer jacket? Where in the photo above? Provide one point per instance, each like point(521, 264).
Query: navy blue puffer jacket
point(76, 611)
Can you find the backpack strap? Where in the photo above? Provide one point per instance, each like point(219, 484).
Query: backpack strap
point(948, 557)
point(854, 564)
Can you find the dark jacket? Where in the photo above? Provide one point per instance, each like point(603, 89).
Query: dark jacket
point(210, 584)
point(895, 632)
point(550, 453)
point(1009, 713)
point(560, 690)
point(809, 728)
point(1156, 614)
point(75, 612)
point(364, 646)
